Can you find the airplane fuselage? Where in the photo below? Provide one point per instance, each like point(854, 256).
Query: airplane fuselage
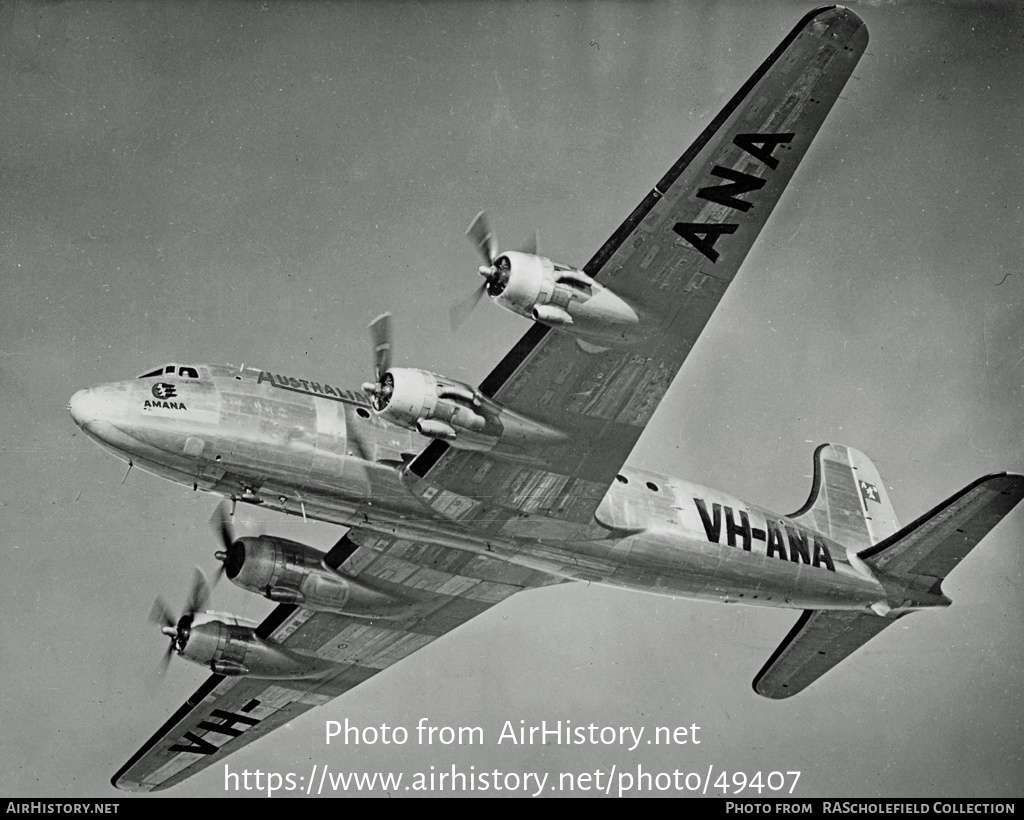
point(310, 448)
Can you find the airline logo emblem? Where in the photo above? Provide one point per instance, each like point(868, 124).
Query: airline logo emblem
point(869, 492)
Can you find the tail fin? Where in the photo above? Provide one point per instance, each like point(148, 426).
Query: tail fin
point(848, 500)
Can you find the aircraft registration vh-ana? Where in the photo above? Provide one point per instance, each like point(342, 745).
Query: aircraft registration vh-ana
point(456, 497)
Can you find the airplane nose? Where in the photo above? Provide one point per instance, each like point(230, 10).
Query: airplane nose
point(84, 406)
point(103, 414)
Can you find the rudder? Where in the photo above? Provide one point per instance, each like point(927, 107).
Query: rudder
point(848, 500)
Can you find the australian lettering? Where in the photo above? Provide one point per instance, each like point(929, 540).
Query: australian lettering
point(324, 390)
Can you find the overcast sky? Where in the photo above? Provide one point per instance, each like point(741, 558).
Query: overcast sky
point(252, 183)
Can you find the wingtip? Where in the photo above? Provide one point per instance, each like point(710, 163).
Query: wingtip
point(771, 694)
point(124, 785)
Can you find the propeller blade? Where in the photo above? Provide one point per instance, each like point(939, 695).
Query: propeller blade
point(161, 614)
point(479, 231)
point(380, 332)
point(198, 594)
point(221, 523)
point(459, 311)
point(166, 660)
point(531, 244)
point(174, 628)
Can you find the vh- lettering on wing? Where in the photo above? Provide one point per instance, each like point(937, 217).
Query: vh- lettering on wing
point(670, 262)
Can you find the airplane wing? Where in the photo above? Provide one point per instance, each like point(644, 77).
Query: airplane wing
point(673, 259)
point(450, 586)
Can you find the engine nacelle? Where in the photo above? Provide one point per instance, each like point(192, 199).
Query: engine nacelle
point(289, 572)
point(233, 649)
point(438, 407)
point(429, 404)
point(561, 297)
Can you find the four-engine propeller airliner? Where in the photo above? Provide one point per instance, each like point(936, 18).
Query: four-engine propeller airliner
point(457, 496)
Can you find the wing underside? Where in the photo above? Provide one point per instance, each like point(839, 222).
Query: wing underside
point(673, 259)
point(819, 640)
point(445, 588)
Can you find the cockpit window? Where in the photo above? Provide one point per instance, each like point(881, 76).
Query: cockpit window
point(185, 371)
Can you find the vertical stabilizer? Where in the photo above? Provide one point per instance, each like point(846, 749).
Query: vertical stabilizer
point(848, 500)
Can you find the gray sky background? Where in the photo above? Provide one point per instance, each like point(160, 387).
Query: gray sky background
point(252, 183)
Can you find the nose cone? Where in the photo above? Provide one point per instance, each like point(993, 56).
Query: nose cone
point(85, 406)
point(101, 412)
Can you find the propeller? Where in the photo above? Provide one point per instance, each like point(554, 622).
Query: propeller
point(381, 387)
point(221, 523)
point(178, 629)
point(496, 272)
point(460, 310)
point(480, 233)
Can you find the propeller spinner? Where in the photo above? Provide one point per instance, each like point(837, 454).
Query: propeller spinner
point(496, 272)
point(231, 556)
point(178, 629)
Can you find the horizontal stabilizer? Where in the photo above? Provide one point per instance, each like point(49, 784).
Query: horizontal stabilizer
point(818, 641)
point(936, 542)
point(915, 559)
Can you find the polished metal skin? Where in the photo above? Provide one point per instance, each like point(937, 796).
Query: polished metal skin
point(232, 649)
point(254, 437)
point(288, 572)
